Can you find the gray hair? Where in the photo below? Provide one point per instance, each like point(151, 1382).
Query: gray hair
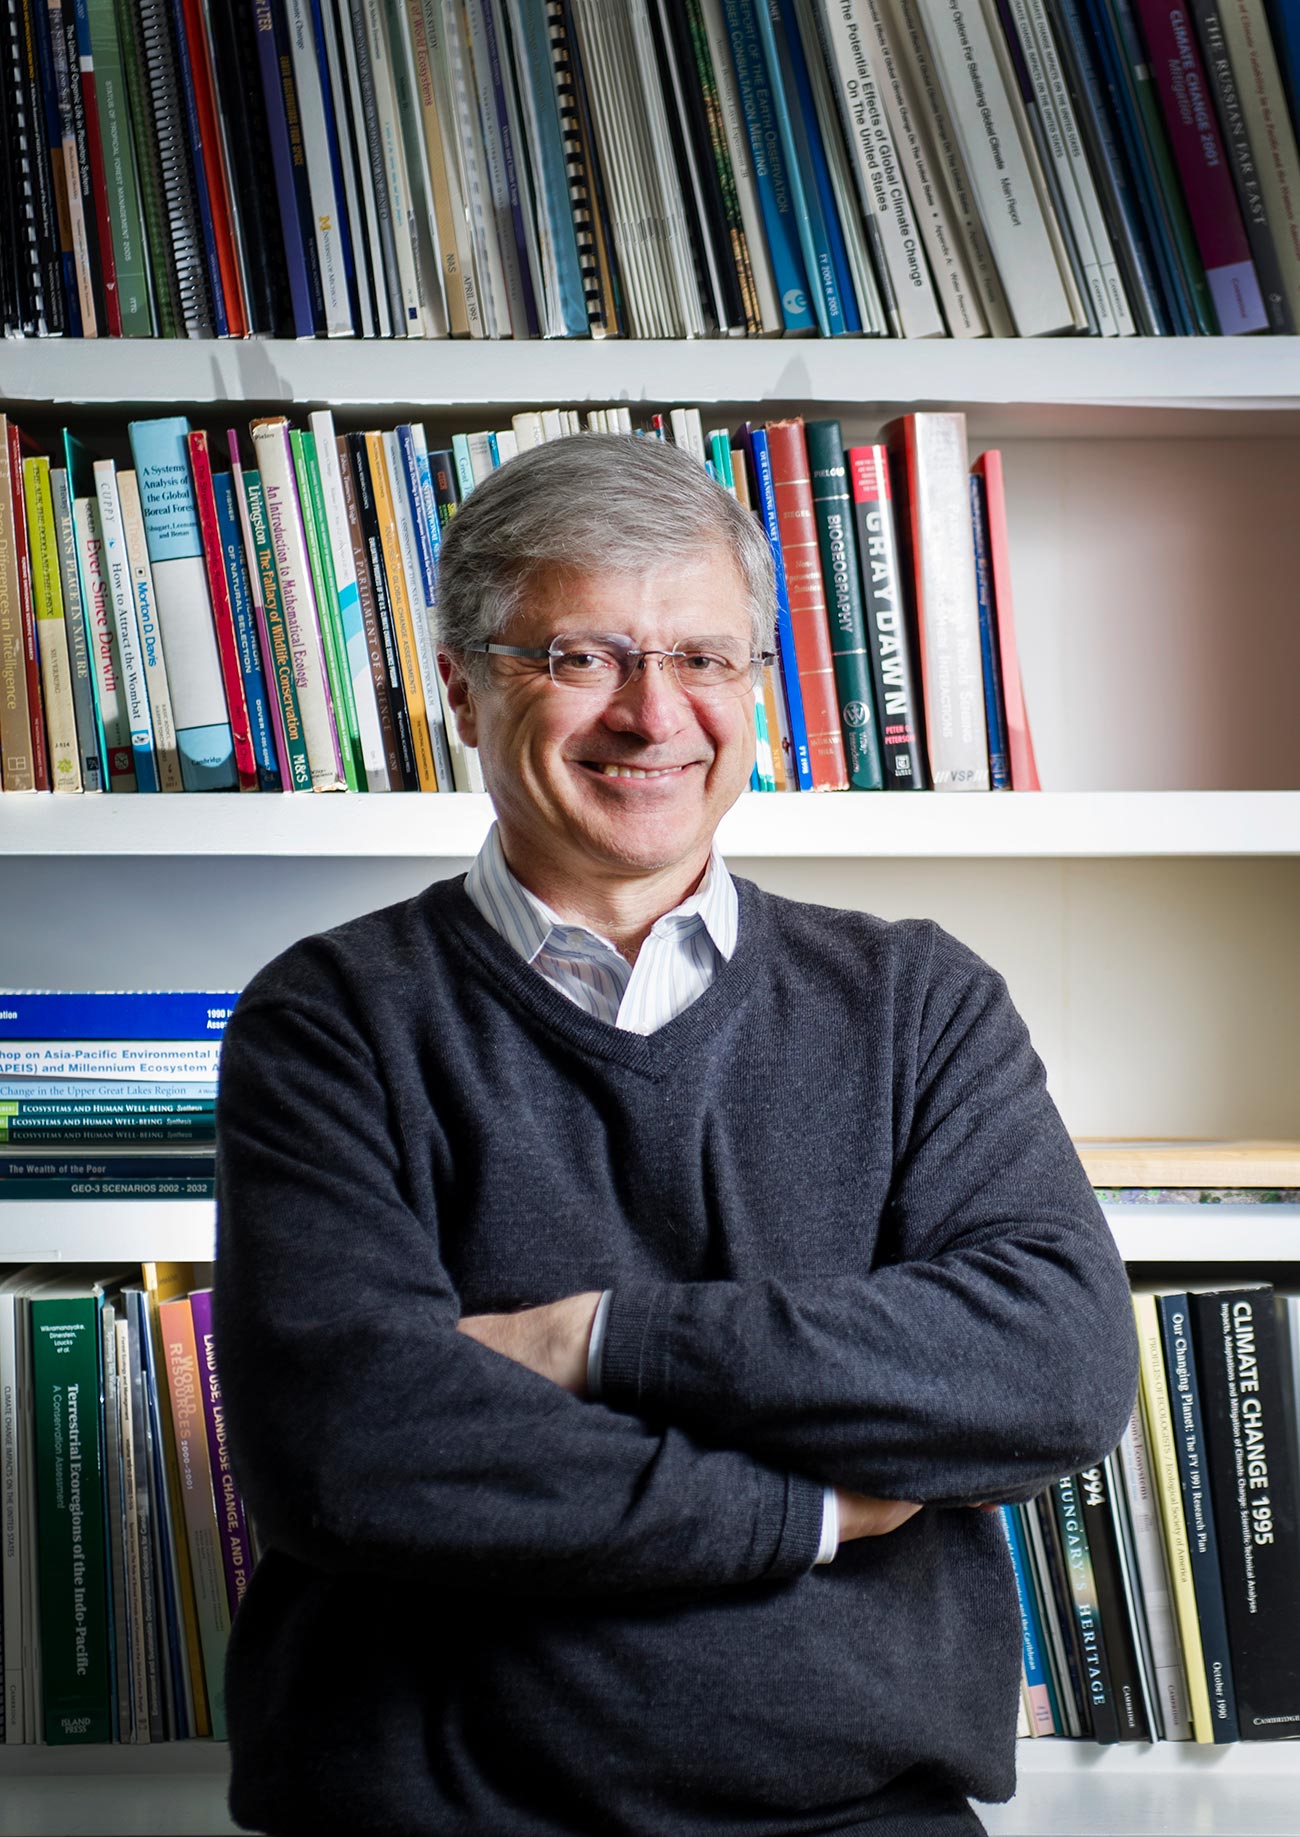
point(595, 502)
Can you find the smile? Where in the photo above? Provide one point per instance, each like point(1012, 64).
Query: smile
point(635, 771)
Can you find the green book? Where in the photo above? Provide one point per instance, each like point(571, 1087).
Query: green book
point(125, 215)
point(837, 545)
point(310, 496)
point(148, 150)
point(279, 660)
point(75, 1639)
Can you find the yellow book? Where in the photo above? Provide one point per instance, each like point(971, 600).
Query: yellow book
point(52, 632)
point(1168, 1487)
point(168, 1282)
point(403, 617)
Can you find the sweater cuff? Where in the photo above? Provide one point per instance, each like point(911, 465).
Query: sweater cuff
point(630, 1361)
point(799, 1543)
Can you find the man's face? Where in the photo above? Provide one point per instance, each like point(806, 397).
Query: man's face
point(547, 750)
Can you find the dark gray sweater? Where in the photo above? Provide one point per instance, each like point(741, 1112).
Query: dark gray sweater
point(849, 1242)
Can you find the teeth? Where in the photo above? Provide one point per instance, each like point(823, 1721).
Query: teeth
point(632, 771)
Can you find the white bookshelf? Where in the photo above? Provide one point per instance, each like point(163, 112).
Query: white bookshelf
point(1143, 907)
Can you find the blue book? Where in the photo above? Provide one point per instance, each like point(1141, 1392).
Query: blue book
point(425, 538)
point(241, 607)
point(551, 185)
point(808, 160)
point(994, 709)
point(171, 529)
point(1202, 1539)
point(789, 665)
point(1032, 1647)
point(774, 195)
point(464, 466)
point(299, 246)
point(95, 1014)
point(513, 168)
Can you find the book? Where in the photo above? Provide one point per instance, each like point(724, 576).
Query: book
point(1202, 1540)
point(166, 755)
point(17, 754)
point(1242, 1363)
point(301, 256)
point(1098, 1688)
point(102, 637)
point(389, 772)
point(894, 674)
point(338, 681)
point(184, 607)
point(121, 179)
point(1272, 137)
point(52, 627)
point(846, 608)
point(1033, 1659)
point(369, 523)
point(1020, 745)
point(227, 501)
point(1093, 1486)
point(218, 581)
point(90, 731)
point(994, 709)
point(928, 465)
point(236, 1554)
point(377, 502)
point(790, 708)
point(121, 598)
point(352, 626)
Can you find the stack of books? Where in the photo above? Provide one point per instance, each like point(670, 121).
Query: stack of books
point(649, 168)
point(127, 1548)
point(192, 622)
point(109, 1095)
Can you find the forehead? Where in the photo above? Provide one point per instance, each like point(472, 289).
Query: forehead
point(680, 597)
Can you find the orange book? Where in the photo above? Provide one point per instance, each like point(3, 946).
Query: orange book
point(792, 481)
point(1020, 743)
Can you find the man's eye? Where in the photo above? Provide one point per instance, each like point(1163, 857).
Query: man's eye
point(704, 663)
point(588, 663)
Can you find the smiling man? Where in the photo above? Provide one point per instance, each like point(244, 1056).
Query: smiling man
point(629, 1281)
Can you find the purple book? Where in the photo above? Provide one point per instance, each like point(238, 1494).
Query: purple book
point(298, 254)
point(232, 1526)
point(1202, 167)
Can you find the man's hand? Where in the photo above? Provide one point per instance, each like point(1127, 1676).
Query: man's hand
point(550, 1340)
point(862, 1516)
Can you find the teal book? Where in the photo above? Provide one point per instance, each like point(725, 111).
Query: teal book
point(184, 604)
point(837, 544)
point(75, 1652)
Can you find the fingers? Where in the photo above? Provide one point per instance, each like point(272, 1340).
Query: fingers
point(863, 1516)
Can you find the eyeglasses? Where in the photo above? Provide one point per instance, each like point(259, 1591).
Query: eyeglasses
point(605, 662)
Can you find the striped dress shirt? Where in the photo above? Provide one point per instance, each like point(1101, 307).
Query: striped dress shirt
point(673, 967)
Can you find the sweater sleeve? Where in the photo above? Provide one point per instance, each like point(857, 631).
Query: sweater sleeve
point(991, 1347)
point(367, 1433)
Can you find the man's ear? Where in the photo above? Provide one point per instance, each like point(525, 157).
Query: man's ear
point(460, 698)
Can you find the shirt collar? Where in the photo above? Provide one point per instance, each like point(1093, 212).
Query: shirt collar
point(529, 925)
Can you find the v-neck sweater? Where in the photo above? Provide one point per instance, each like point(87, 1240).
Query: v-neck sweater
point(849, 1243)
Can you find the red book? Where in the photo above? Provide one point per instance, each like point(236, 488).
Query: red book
point(1020, 744)
point(27, 613)
point(222, 613)
point(98, 182)
point(214, 166)
point(792, 481)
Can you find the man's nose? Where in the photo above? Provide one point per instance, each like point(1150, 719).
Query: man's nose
point(650, 702)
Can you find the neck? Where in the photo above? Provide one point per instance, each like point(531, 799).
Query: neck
point(617, 906)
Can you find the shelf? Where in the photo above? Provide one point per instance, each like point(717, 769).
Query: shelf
point(1246, 1790)
point(136, 1231)
point(1051, 825)
point(1106, 386)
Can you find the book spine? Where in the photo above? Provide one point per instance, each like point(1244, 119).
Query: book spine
point(298, 267)
point(1059, 1606)
point(354, 656)
point(383, 488)
point(994, 711)
point(1093, 1489)
point(117, 569)
point(326, 216)
point(1020, 744)
point(928, 456)
point(15, 1481)
point(135, 1710)
point(417, 535)
point(157, 244)
point(368, 211)
point(231, 1522)
point(1272, 137)
point(115, 1522)
point(454, 245)
point(1203, 1543)
point(1241, 1363)
point(731, 109)
point(70, 177)
point(1037, 1686)
point(342, 167)
point(295, 763)
point(94, 146)
point(263, 648)
point(76, 1690)
point(176, 167)
point(153, 1643)
point(387, 774)
point(1198, 154)
point(208, 241)
point(1098, 1688)
point(17, 755)
point(222, 613)
point(58, 278)
point(472, 118)
point(27, 613)
point(122, 185)
point(368, 517)
point(1130, 1579)
point(792, 484)
point(842, 577)
point(51, 625)
point(167, 760)
point(525, 311)
point(884, 602)
point(1168, 1489)
point(753, 82)
point(239, 586)
point(177, 1696)
point(292, 571)
point(705, 98)
point(90, 733)
point(796, 729)
point(103, 645)
point(184, 606)
point(421, 225)
point(338, 684)
point(181, 1362)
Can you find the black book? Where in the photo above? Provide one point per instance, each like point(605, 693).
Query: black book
point(241, 100)
point(442, 467)
point(63, 276)
point(1116, 1628)
point(25, 153)
point(368, 516)
point(890, 641)
point(1094, 1661)
point(1243, 1364)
